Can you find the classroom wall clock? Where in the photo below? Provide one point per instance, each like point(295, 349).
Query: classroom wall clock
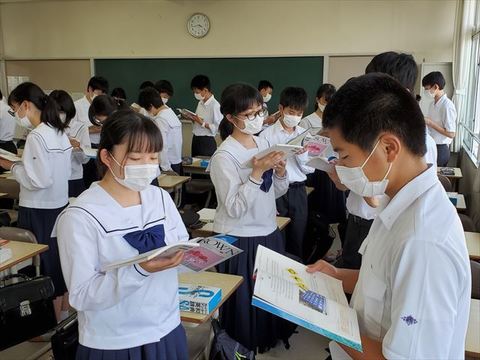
point(198, 25)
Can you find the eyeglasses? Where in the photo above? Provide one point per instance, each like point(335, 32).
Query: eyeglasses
point(11, 112)
point(250, 117)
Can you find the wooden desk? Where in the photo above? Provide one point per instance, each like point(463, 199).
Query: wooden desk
point(472, 342)
point(208, 215)
point(7, 175)
point(173, 183)
point(20, 252)
point(194, 167)
point(473, 244)
point(3, 194)
point(309, 190)
point(453, 178)
point(461, 204)
point(228, 284)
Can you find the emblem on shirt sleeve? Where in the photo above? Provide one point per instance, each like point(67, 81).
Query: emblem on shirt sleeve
point(409, 320)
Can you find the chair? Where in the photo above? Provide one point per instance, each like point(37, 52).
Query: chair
point(17, 234)
point(446, 183)
point(467, 223)
point(200, 187)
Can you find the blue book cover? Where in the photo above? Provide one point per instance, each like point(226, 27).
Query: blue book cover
point(198, 298)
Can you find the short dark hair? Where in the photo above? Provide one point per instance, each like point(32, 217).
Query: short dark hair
point(200, 82)
point(127, 126)
point(235, 99)
point(98, 83)
point(31, 92)
point(119, 93)
point(145, 84)
point(370, 104)
point(327, 91)
point(65, 103)
point(264, 84)
point(400, 66)
point(164, 86)
point(103, 105)
point(294, 97)
point(149, 97)
point(434, 78)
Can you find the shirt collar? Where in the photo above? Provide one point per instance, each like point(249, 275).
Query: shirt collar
point(407, 195)
point(442, 99)
point(279, 127)
point(210, 99)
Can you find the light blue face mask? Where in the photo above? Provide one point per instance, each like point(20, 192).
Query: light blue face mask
point(356, 180)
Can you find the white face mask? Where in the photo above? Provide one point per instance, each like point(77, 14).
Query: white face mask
point(137, 177)
point(430, 94)
point(321, 106)
point(267, 98)
point(252, 127)
point(356, 180)
point(63, 116)
point(291, 120)
point(164, 100)
point(23, 121)
point(198, 96)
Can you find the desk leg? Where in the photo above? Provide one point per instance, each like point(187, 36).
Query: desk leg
point(178, 196)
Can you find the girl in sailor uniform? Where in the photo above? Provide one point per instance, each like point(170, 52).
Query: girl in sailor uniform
point(77, 133)
point(43, 176)
point(131, 312)
point(246, 209)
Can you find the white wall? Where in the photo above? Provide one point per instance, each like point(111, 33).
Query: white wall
point(83, 29)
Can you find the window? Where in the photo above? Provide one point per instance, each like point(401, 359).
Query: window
point(470, 123)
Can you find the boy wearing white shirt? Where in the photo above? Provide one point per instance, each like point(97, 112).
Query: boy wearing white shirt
point(323, 96)
point(412, 292)
point(165, 88)
point(207, 119)
point(441, 118)
point(97, 85)
point(265, 88)
point(170, 128)
point(293, 101)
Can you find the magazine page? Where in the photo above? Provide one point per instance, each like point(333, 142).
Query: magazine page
point(288, 150)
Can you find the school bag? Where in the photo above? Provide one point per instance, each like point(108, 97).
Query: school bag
point(26, 309)
point(65, 339)
point(225, 348)
point(318, 238)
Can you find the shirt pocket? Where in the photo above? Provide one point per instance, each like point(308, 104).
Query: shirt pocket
point(374, 294)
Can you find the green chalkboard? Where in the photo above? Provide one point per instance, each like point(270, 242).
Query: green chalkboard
point(306, 72)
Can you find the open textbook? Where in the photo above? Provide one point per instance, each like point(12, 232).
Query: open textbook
point(4, 154)
point(187, 114)
point(200, 254)
point(314, 301)
point(320, 152)
point(288, 151)
point(299, 139)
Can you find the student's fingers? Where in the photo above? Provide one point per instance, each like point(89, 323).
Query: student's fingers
point(321, 266)
point(160, 264)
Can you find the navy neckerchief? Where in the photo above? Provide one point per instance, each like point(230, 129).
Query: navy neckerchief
point(148, 239)
point(267, 180)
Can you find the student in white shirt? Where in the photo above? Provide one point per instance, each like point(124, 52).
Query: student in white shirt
point(165, 88)
point(323, 96)
point(205, 124)
point(246, 210)
point(7, 127)
point(412, 292)
point(441, 118)
point(294, 205)
point(78, 135)
point(170, 128)
point(43, 175)
point(265, 88)
point(100, 109)
point(97, 85)
point(131, 312)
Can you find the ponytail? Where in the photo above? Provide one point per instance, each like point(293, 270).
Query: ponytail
point(225, 128)
point(51, 114)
